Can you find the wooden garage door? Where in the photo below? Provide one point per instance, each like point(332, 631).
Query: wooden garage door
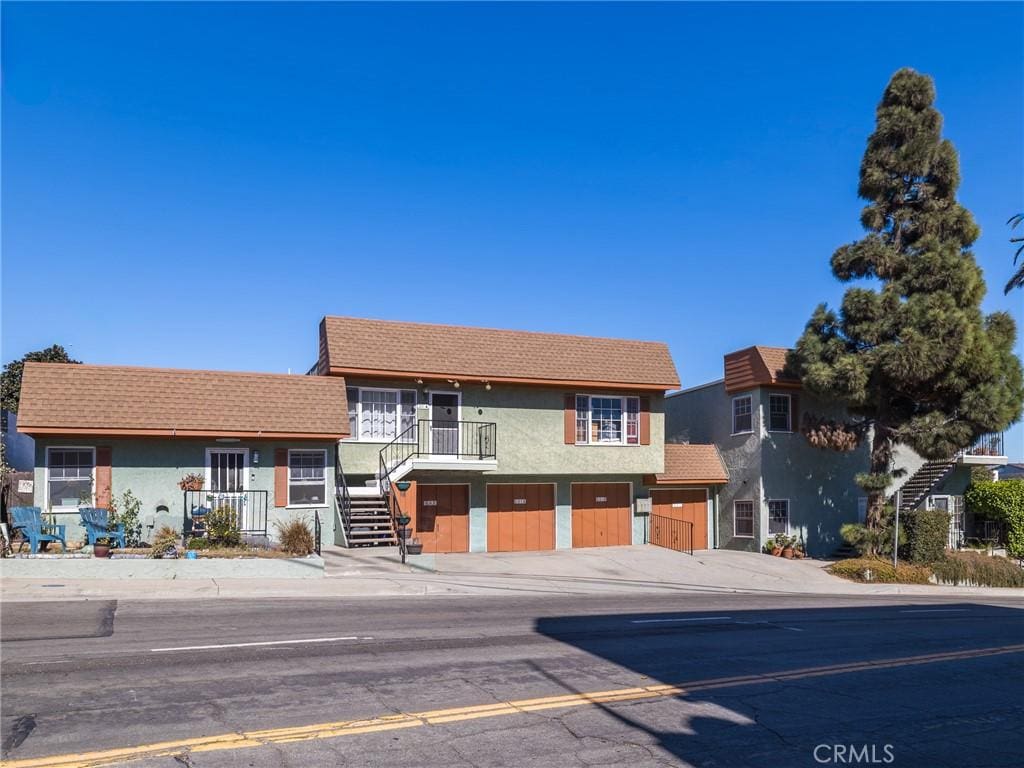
point(442, 517)
point(601, 515)
point(689, 504)
point(520, 517)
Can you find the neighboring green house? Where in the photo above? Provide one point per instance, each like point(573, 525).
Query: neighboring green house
point(507, 440)
point(778, 482)
point(263, 444)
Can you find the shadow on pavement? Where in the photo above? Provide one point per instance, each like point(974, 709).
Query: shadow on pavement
point(932, 684)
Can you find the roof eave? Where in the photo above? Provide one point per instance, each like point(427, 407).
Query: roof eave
point(385, 374)
point(30, 429)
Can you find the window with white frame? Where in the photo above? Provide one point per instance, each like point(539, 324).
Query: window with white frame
point(779, 416)
point(307, 480)
point(69, 473)
point(380, 414)
point(601, 419)
point(743, 519)
point(352, 396)
point(778, 517)
point(742, 414)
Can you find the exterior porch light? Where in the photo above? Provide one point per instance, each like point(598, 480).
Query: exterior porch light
point(256, 458)
point(487, 386)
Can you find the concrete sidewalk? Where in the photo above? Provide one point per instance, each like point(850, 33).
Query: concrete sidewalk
point(375, 573)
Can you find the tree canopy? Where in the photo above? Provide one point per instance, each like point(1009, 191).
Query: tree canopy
point(10, 379)
point(910, 354)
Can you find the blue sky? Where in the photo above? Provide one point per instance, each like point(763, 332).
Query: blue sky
point(195, 185)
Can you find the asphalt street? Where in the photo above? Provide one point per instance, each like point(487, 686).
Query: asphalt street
point(709, 680)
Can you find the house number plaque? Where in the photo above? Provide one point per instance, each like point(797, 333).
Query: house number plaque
point(602, 498)
point(429, 502)
point(519, 501)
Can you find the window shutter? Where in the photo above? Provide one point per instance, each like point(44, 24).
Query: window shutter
point(570, 419)
point(794, 413)
point(281, 477)
point(103, 476)
point(645, 421)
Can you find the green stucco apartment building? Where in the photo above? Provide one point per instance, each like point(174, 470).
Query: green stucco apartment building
point(488, 440)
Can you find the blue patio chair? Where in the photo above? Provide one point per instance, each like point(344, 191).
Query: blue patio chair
point(96, 526)
point(29, 520)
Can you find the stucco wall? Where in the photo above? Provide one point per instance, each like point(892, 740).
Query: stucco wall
point(530, 434)
point(818, 483)
point(151, 469)
point(704, 415)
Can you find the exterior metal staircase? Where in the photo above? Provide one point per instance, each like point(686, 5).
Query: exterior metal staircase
point(366, 520)
point(920, 484)
point(369, 522)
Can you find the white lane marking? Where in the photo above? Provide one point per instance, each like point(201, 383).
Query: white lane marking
point(938, 610)
point(265, 642)
point(665, 621)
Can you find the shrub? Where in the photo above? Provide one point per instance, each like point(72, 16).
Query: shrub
point(164, 540)
point(927, 535)
point(1001, 500)
point(296, 537)
point(875, 569)
point(870, 542)
point(197, 542)
point(126, 511)
point(975, 569)
point(222, 527)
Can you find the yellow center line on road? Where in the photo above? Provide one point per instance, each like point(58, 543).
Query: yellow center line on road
point(251, 739)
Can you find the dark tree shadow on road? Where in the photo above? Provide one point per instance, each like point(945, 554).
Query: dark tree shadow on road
point(928, 684)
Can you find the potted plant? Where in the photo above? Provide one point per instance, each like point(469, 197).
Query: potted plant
point(102, 547)
point(778, 544)
point(414, 547)
point(404, 520)
point(192, 482)
point(788, 549)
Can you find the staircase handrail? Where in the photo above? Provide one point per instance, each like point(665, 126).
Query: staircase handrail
point(393, 504)
point(342, 497)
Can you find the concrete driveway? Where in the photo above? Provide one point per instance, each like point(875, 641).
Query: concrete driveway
point(611, 570)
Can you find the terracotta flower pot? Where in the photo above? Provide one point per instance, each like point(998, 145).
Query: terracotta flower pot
point(100, 550)
point(787, 553)
point(776, 551)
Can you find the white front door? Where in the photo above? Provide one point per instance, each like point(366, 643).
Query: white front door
point(227, 480)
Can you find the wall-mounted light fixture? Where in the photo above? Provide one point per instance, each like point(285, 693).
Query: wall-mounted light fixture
point(487, 386)
point(255, 458)
point(419, 381)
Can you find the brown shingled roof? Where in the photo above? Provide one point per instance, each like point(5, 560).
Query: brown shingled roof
point(356, 346)
point(756, 367)
point(691, 464)
point(115, 400)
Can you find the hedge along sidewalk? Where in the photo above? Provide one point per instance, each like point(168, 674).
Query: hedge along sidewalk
point(74, 568)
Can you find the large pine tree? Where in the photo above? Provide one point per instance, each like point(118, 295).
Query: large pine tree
point(910, 355)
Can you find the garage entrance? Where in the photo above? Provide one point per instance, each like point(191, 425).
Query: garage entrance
point(442, 517)
point(520, 517)
point(688, 504)
point(601, 514)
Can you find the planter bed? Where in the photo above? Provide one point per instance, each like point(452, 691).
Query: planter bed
point(88, 567)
